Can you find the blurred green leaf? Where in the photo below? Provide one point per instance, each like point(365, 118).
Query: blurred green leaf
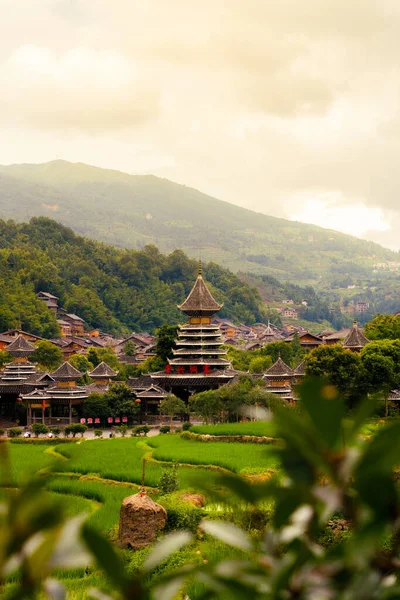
point(228, 533)
point(170, 544)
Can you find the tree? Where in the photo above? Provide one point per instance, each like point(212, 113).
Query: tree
point(259, 364)
point(172, 406)
point(276, 349)
point(383, 327)
point(130, 348)
point(340, 366)
point(121, 401)
point(381, 362)
point(96, 405)
point(166, 335)
point(206, 405)
point(39, 428)
point(81, 362)
point(5, 358)
point(47, 355)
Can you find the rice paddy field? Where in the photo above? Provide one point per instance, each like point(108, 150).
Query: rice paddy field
point(92, 477)
point(257, 428)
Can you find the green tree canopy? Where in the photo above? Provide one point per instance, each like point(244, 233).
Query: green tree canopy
point(383, 327)
point(47, 355)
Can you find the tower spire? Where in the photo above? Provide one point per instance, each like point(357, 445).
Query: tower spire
point(200, 267)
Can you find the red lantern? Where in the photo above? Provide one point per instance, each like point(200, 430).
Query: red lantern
point(83, 421)
point(138, 400)
point(19, 400)
point(109, 420)
point(90, 421)
point(117, 420)
point(124, 419)
point(97, 420)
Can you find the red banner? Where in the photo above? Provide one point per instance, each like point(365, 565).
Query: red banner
point(110, 420)
point(83, 421)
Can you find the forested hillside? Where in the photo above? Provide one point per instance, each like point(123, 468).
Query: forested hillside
point(132, 211)
point(116, 290)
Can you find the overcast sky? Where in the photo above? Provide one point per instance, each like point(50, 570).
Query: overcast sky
point(288, 107)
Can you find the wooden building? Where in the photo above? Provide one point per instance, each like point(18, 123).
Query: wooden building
point(355, 340)
point(199, 361)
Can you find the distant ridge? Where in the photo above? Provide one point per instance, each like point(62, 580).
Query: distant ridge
point(135, 210)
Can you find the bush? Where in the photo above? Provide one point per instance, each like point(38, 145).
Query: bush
point(2, 432)
point(169, 482)
point(165, 429)
point(98, 433)
point(140, 429)
point(75, 428)
point(186, 426)
point(123, 429)
point(14, 432)
point(39, 428)
point(56, 430)
point(181, 515)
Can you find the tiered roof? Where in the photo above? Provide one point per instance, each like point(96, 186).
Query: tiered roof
point(20, 347)
point(200, 300)
point(103, 371)
point(66, 373)
point(279, 369)
point(355, 340)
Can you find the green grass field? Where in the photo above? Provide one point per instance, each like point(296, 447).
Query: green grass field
point(233, 456)
point(258, 428)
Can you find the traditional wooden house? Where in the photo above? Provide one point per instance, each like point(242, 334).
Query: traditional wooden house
point(279, 378)
point(307, 340)
point(54, 405)
point(355, 340)
point(50, 301)
point(19, 377)
point(76, 323)
point(199, 361)
point(103, 375)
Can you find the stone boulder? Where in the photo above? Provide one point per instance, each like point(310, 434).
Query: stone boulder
point(140, 521)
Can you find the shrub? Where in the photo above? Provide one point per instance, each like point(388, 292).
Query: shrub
point(186, 426)
point(98, 433)
point(140, 429)
point(2, 432)
point(181, 515)
point(75, 428)
point(39, 428)
point(169, 482)
point(165, 429)
point(56, 430)
point(123, 429)
point(14, 432)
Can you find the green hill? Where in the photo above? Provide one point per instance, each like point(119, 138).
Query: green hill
point(132, 211)
point(112, 289)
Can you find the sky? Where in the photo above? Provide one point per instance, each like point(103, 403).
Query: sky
point(287, 107)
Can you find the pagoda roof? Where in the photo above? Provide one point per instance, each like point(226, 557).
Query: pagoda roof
point(199, 351)
point(199, 361)
point(67, 372)
point(301, 368)
point(279, 368)
point(216, 377)
point(103, 370)
point(21, 346)
point(200, 300)
point(154, 391)
point(355, 339)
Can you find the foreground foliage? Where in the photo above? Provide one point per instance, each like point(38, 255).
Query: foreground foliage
point(330, 473)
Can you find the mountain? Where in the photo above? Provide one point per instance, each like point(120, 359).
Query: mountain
point(130, 211)
point(111, 289)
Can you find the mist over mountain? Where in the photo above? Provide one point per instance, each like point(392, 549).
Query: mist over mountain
point(130, 211)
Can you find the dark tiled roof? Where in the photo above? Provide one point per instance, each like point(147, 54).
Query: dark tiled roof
point(21, 347)
point(103, 370)
point(140, 383)
point(66, 371)
point(355, 339)
point(279, 368)
point(200, 299)
point(301, 368)
point(154, 391)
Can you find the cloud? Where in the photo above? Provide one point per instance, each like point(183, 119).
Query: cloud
point(81, 88)
point(269, 104)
